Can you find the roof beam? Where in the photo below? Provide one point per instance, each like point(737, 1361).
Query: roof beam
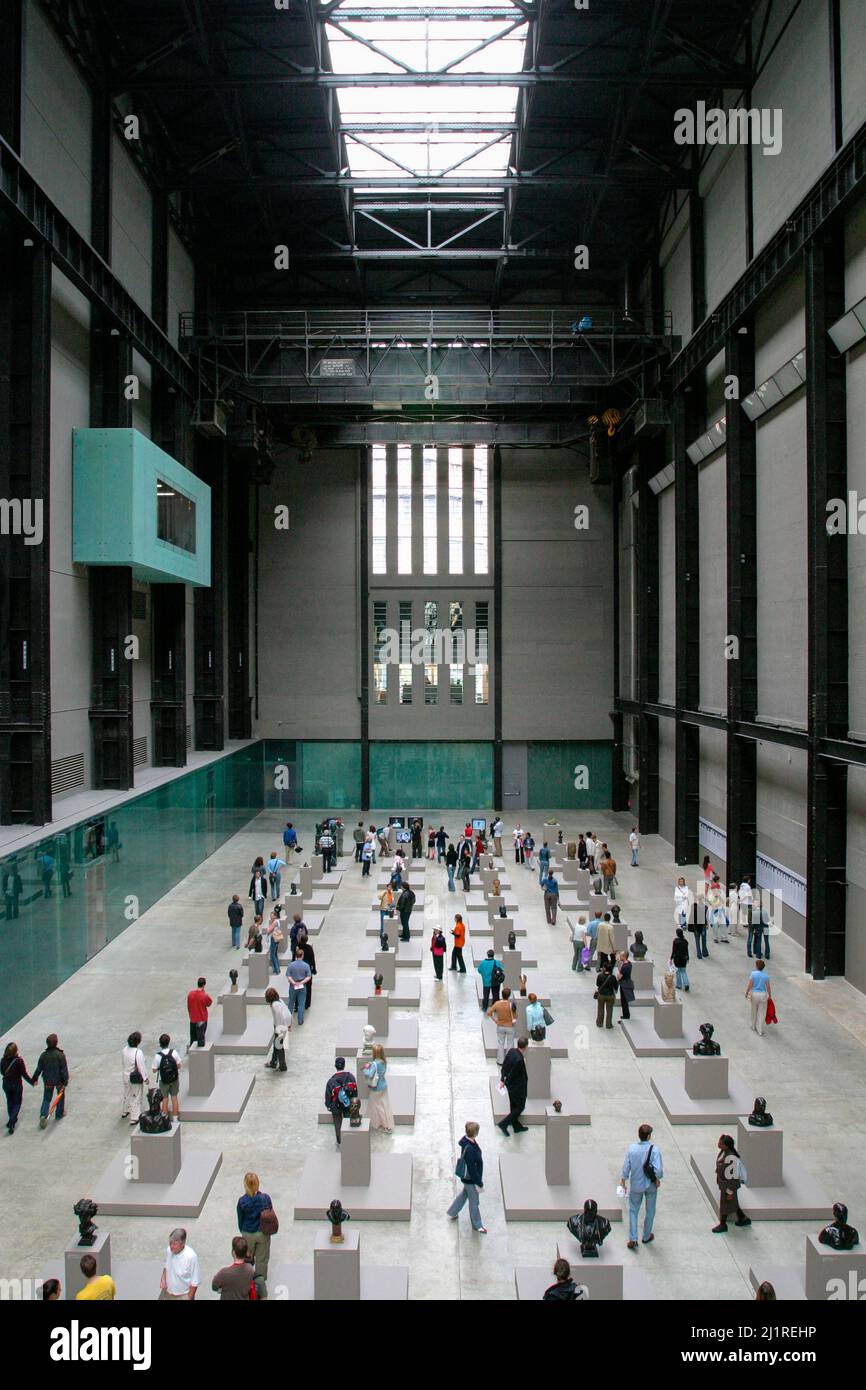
point(541, 77)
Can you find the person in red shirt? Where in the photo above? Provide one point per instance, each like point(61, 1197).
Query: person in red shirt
point(197, 1004)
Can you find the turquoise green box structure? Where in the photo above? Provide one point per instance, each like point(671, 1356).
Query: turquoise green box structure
point(114, 508)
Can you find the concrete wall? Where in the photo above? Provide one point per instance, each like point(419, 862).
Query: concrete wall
point(723, 186)
point(55, 120)
point(557, 670)
point(131, 225)
point(676, 263)
point(667, 780)
point(181, 283)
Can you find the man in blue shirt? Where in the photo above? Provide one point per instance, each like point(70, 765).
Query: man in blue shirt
point(299, 976)
point(275, 871)
point(290, 840)
point(592, 927)
point(486, 970)
point(543, 862)
point(551, 898)
point(640, 1185)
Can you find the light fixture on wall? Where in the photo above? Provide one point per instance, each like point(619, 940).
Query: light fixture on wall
point(709, 442)
point(784, 382)
point(850, 329)
point(662, 479)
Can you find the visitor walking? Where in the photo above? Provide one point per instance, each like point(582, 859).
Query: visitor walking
point(605, 993)
point(275, 866)
point(359, 835)
point(341, 1088)
point(134, 1075)
point(682, 903)
point(166, 1068)
point(516, 1082)
point(608, 876)
point(274, 933)
point(438, 947)
point(730, 1176)
point(259, 887)
point(379, 1111)
point(441, 836)
point(52, 1067)
point(626, 984)
point(282, 1021)
point(368, 854)
point(236, 920)
point(290, 841)
point(496, 831)
point(469, 1171)
point(234, 1283)
point(250, 1209)
point(634, 846)
point(517, 836)
point(718, 917)
point(181, 1275)
point(326, 849)
point(492, 977)
point(529, 850)
point(605, 943)
point(746, 900)
point(758, 993)
point(198, 1001)
point(502, 1014)
point(680, 959)
point(543, 862)
point(299, 976)
point(405, 904)
point(15, 1073)
point(458, 931)
point(642, 1172)
point(578, 943)
point(551, 898)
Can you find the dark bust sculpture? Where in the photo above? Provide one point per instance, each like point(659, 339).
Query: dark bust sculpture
point(615, 910)
point(503, 911)
point(590, 1229)
point(233, 982)
point(512, 941)
point(336, 1215)
point(706, 1047)
point(85, 1209)
point(839, 1235)
point(638, 946)
point(152, 1120)
point(760, 1116)
point(355, 1112)
point(557, 1105)
point(538, 1033)
point(377, 984)
point(385, 946)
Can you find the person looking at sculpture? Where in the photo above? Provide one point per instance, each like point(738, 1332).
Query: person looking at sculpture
point(470, 1173)
point(299, 976)
point(680, 959)
point(642, 1173)
point(250, 1207)
point(608, 875)
point(181, 1275)
point(198, 1001)
point(134, 1074)
point(515, 1078)
point(502, 1014)
point(564, 1289)
point(759, 994)
point(534, 1014)
point(234, 1282)
point(492, 976)
point(605, 993)
point(622, 970)
point(386, 909)
point(578, 943)
point(341, 1088)
point(405, 904)
point(379, 1111)
point(99, 1288)
point(236, 920)
point(275, 935)
point(166, 1068)
point(605, 943)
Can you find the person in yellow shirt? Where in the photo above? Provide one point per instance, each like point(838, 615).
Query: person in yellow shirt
point(99, 1287)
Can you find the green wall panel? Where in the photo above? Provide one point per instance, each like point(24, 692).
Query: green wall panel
point(312, 774)
point(435, 775)
point(93, 896)
point(552, 770)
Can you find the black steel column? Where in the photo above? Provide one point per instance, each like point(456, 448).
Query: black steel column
point(159, 280)
point(25, 653)
point(688, 420)
point(697, 248)
point(100, 167)
point(364, 602)
point(497, 628)
point(239, 714)
point(827, 477)
point(619, 787)
point(650, 460)
point(11, 63)
point(742, 610)
point(168, 674)
point(210, 606)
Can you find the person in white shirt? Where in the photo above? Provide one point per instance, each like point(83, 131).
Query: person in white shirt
point(634, 845)
point(496, 832)
point(133, 1064)
point(578, 935)
point(682, 903)
point(591, 851)
point(282, 1023)
point(715, 897)
point(733, 910)
point(746, 901)
point(180, 1274)
point(517, 835)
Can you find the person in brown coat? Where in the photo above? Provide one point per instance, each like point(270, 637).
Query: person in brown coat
point(730, 1176)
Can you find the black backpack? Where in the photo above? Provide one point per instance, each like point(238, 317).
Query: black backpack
point(167, 1068)
point(497, 974)
point(649, 1170)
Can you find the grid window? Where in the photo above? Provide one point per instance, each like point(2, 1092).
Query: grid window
point(455, 511)
point(482, 684)
point(405, 677)
point(404, 509)
point(480, 505)
point(380, 682)
point(378, 525)
point(380, 668)
point(431, 684)
point(405, 630)
point(456, 685)
point(430, 522)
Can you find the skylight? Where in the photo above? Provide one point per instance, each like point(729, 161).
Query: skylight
point(416, 131)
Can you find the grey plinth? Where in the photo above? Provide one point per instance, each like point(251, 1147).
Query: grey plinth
point(401, 1093)
point(73, 1279)
point(511, 964)
point(156, 1158)
point(571, 871)
point(234, 1031)
point(502, 927)
point(668, 1020)
point(706, 1078)
point(404, 994)
point(401, 1040)
point(409, 953)
point(557, 1134)
point(260, 970)
point(528, 1196)
point(522, 1003)
point(234, 1007)
point(305, 881)
point(337, 1268)
point(538, 1063)
point(494, 902)
point(201, 1070)
point(385, 964)
point(575, 1108)
point(487, 861)
point(620, 933)
point(598, 904)
point(355, 1155)
point(378, 1012)
point(605, 1279)
point(761, 1152)
point(642, 973)
point(386, 1196)
point(556, 1039)
point(825, 1267)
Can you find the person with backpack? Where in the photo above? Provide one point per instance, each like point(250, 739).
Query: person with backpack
point(54, 1071)
point(492, 978)
point(166, 1069)
point(730, 1176)
point(198, 1001)
point(564, 1290)
point(469, 1171)
point(438, 947)
point(515, 1079)
point(134, 1073)
point(290, 841)
point(642, 1172)
point(405, 904)
point(340, 1090)
point(234, 1283)
point(257, 1222)
point(502, 1014)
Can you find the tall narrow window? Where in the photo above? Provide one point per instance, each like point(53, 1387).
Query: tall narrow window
point(480, 503)
point(404, 509)
point(456, 685)
point(431, 537)
point(404, 674)
point(431, 684)
point(480, 653)
point(379, 511)
point(380, 666)
point(455, 511)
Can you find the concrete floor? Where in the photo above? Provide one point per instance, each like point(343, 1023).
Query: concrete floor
point(810, 1068)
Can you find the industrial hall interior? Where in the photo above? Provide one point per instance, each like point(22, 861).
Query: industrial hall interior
point(433, 637)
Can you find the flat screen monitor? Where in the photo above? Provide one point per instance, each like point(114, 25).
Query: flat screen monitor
point(403, 837)
point(479, 824)
point(397, 821)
